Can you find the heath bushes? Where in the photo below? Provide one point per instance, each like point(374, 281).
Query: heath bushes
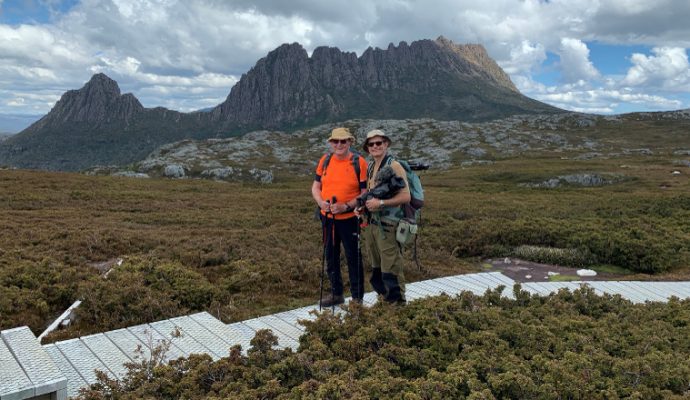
point(567, 345)
point(239, 251)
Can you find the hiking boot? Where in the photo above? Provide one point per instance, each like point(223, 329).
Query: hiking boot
point(332, 300)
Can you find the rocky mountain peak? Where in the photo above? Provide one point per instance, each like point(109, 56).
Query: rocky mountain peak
point(287, 87)
point(100, 85)
point(477, 55)
point(98, 101)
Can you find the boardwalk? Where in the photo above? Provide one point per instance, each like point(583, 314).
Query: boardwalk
point(28, 369)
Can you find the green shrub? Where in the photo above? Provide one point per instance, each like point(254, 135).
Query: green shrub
point(552, 255)
point(566, 345)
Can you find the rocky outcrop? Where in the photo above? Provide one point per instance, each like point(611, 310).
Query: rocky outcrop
point(585, 180)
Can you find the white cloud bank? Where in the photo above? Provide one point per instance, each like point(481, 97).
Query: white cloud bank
point(187, 55)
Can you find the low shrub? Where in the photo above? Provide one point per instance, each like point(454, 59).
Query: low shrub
point(566, 345)
point(553, 255)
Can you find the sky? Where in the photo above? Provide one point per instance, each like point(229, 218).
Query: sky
point(595, 56)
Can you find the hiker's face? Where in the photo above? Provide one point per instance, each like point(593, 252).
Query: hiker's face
point(340, 147)
point(377, 146)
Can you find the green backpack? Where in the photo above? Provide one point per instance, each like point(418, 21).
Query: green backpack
point(412, 210)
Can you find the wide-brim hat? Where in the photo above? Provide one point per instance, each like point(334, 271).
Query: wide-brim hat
point(341, 134)
point(372, 134)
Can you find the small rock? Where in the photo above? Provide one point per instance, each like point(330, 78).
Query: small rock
point(551, 273)
point(174, 171)
point(506, 260)
point(528, 276)
point(675, 173)
point(586, 272)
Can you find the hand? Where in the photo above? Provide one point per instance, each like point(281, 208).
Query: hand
point(359, 211)
point(338, 208)
point(373, 204)
point(325, 206)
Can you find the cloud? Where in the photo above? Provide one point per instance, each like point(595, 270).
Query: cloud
point(524, 57)
point(188, 54)
point(668, 68)
point(580, 97)
point(575, 64)
point(641, 22)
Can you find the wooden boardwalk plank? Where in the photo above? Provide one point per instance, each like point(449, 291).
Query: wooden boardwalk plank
point(83, 360)
point(233, 334)
point(463, 283)
point(152, 339)
point(13, 379)
point(37, 365)
point(681, 288)
point(211, 341)
point(108, 353)
point(182, 339)
point(128, 344)
point(75, 380)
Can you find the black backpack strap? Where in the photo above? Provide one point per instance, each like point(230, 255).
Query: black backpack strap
point(325, 163)
point(358, 169)
point(370, 168)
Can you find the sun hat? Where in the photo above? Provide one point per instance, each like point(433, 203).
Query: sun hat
point(374, 133)
point(340, 134)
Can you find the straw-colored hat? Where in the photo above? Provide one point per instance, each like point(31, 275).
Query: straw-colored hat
point(340, 134)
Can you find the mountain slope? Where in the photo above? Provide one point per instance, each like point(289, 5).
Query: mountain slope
point(97, 125)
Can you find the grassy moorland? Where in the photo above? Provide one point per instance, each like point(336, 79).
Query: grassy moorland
point(241, 250)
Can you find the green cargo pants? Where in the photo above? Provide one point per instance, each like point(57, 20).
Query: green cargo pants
point(383, 252)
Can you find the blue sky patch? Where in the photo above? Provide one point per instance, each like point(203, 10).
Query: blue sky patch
point(33, 12)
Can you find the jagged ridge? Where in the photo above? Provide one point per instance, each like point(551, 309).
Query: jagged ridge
point(96, 125)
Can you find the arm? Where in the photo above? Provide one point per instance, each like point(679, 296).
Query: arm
point(400, 198)
point(316, 194)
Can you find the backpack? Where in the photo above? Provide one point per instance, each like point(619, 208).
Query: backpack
point(412, 210)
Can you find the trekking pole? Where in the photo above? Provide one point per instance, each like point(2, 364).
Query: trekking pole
point(360, 267)
point(323, 257)
point(333, 260)
point(415, 253)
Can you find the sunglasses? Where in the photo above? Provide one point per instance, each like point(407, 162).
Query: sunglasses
point(341, 141)
point(372, 144)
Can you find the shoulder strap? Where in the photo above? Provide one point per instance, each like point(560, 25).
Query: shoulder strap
point(387, 160)
point(326, 160)
point(355, 164)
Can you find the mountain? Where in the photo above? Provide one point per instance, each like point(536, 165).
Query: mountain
point(287, 89)
point(429, 78)
point(97, 125)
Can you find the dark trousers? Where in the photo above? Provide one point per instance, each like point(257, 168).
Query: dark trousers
point(337, 231)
